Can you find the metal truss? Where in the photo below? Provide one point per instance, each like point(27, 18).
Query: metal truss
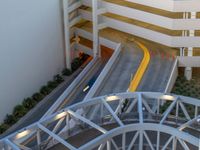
point(123, 121)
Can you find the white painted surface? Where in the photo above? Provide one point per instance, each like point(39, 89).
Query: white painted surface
point(171, 41)
point(171, 5)
point(155, 19)
point(165, 22)
point(173, 77)
point(192, 61)
point(31, 48)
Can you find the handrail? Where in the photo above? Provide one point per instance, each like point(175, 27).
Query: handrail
point(141, 70)
point(70, 88)
point(172, 77)
point(104, 72)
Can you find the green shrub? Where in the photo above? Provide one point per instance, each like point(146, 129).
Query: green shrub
point(52, 84)
point(66, 72)
point(76, 64)
point(58, 78)
point(3, 128)
point(29, 103)
point(37, 97)
point(10, 120)
point(45, 90)
point(19, 111)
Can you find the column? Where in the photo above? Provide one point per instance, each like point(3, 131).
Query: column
point(95, 27)
point(67, 34)
point(188, 70)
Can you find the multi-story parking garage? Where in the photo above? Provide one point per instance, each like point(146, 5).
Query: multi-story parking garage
point(140, 120)
point(171, 23)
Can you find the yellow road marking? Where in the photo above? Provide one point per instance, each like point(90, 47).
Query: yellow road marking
point(141, 70)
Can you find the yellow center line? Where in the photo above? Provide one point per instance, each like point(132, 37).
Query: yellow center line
point(141, 70)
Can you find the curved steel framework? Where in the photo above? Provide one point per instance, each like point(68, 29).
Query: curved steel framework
point(120, 121)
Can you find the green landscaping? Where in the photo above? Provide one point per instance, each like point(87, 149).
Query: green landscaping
point(186, 88)
point(28, 103)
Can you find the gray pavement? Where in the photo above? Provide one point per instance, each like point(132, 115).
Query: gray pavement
point(157, 74)
point(126, 66)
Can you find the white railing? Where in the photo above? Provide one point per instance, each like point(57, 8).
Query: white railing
point(104, 73)
point(70, 89)
point(173, 77)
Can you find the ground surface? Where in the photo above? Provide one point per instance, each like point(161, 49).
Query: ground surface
point(157, 74)
point(188, 88)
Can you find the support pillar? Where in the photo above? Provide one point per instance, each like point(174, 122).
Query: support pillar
point(182, 51)
point(67, 34)
point(95, 27)
point(70, 19)
point(188, 70)
point(98, 24)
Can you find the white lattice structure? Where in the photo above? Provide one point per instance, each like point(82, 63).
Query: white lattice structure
point(118, 121)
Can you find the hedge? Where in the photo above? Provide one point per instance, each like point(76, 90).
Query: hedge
point(20, 110)
point(29, 103)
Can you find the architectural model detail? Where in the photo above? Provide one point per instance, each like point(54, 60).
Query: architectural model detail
point(120, 97)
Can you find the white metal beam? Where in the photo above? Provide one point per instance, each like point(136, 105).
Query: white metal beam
point(112, 112)
point(11, 144)
point(185, 111)
point(140, 111)
point(114, 144)
point(87, 121)
point(133, 141)
point(131, 105)
point(56, 137)
point(167, 112)
point(158, 141)
point(141, 140)
point(184, 144)
point(167, 143)
point(148, 140)
point(183, 126)
point(147, 106)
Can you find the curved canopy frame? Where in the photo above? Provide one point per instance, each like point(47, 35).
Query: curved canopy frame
point(156, 112)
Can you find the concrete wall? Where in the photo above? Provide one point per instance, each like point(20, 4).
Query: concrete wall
point(31, 48)
point(171, 41)
point(171, 5)
point(173, 77)
point(185, 61)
